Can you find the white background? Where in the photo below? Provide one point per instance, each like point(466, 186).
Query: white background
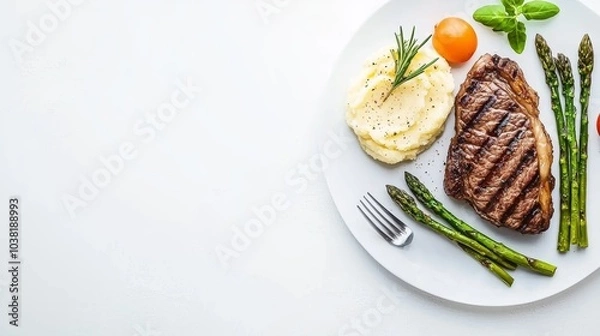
point(140, 258)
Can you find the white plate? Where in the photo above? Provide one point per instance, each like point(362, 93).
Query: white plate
point(431, 263)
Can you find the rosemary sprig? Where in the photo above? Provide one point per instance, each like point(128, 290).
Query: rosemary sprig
point(403, 56)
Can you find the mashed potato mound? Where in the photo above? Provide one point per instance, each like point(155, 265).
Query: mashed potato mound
point(412, 118)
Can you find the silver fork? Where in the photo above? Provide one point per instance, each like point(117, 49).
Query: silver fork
point(390, 227)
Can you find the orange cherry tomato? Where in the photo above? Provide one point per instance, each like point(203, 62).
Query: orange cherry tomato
point(454, 39)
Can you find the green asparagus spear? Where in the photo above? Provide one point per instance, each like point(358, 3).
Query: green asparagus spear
point(428, 200)
point(409, 206)
point(585, 66)
point(565, 71)
point(498, 271)
point(545, 55)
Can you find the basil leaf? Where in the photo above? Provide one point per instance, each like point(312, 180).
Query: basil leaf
point(539, 10)
point(511, 6)
point(507, 25)
point(515, 3)
point(518, 38)
point(491, 15)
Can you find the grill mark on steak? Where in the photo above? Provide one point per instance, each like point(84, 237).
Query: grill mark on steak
point(495, 59)
point(472, 87)
point(514, 73)
point(496, 133)
point(501, 125)
point(489, 141)
point(530, 185)
point(501, 160)
point(480, 112)
point(524, 197)
point(533, 212)
point(495, 159)
point(492, 136)
point(525, 160)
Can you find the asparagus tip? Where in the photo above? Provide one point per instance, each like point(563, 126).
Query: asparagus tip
point(586, 39)
point(540, 41)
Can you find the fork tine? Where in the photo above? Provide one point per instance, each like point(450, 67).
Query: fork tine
point(400, 223)
point(391, 226)
point(392, 233)
point(385, 235)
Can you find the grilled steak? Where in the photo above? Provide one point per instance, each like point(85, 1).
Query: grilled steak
point(500, 157)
